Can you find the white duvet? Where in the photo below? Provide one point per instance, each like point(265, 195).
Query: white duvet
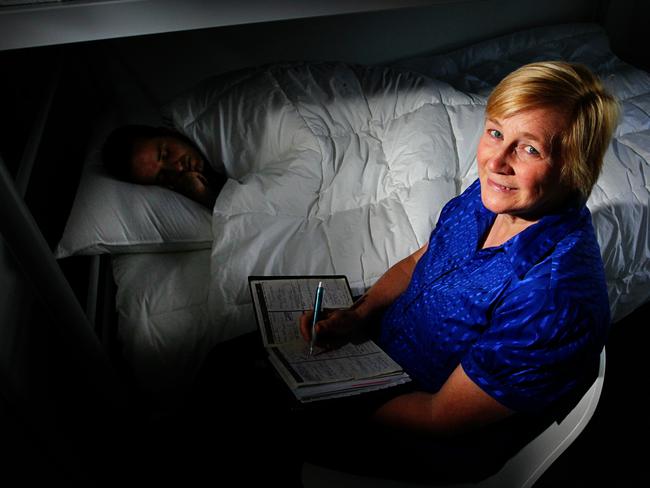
point(344, 169)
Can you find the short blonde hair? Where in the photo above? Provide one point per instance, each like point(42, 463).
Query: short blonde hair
point(575, 91)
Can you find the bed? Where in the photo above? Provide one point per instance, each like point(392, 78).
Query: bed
point(333, 168)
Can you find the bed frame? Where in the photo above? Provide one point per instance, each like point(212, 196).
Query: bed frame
point(25, 239)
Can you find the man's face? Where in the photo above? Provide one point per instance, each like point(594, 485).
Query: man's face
point(162, 160)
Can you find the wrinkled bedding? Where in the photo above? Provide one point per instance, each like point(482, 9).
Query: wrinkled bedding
point(335, 168)
point(350, 175)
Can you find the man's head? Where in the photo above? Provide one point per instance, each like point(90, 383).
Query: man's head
point(160, 156)
point(150, 155)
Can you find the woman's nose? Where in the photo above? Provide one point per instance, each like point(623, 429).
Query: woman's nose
point(499, 161)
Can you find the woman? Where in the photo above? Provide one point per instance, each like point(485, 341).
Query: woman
point(505, 309)
point(499, 319)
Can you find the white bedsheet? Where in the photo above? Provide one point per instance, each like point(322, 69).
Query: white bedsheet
point(344, 169)
point(163, 316)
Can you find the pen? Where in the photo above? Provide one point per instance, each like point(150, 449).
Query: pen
point(318, 302)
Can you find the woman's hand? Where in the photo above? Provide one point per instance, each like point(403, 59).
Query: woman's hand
point(361, 320)
point(335, 329)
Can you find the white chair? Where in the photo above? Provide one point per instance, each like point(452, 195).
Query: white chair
point(520, 471)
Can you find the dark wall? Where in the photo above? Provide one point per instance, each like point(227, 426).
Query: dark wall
point(627, 23)
point(161, 66)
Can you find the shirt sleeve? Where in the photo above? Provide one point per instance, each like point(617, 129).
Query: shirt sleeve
point(541, 344)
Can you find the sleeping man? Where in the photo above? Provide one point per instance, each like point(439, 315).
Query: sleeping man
point(160, 156)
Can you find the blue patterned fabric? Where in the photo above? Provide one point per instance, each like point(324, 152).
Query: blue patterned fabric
point(526, 319)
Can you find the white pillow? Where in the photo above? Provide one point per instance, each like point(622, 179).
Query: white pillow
point(112, 216)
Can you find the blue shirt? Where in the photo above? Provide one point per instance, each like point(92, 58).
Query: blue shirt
point(527, 320)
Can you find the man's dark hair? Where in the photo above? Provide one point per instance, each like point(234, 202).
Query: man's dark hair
point(118, 148)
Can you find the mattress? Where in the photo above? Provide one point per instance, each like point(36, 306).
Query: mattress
point(335, 168)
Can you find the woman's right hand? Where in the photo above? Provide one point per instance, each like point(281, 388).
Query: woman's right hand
point(361, 321)
point(335, 329)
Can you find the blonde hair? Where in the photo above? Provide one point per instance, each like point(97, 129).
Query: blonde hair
point(592, 114)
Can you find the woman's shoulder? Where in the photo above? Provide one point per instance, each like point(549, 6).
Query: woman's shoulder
point(579, 248)
point(566, 258)
point(574, 272)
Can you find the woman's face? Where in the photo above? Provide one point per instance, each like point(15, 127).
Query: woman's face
point(518, 172)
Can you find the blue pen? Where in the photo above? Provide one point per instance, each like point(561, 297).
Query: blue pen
point(318, 302)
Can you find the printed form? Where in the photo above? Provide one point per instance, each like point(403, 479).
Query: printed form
point(280, 303)
point(350, 369)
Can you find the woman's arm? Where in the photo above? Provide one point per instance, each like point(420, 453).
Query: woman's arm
point(341, 326)
point(459, 406)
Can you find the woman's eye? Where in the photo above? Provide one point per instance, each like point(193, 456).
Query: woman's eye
point(531, 150)
point(495, 133)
